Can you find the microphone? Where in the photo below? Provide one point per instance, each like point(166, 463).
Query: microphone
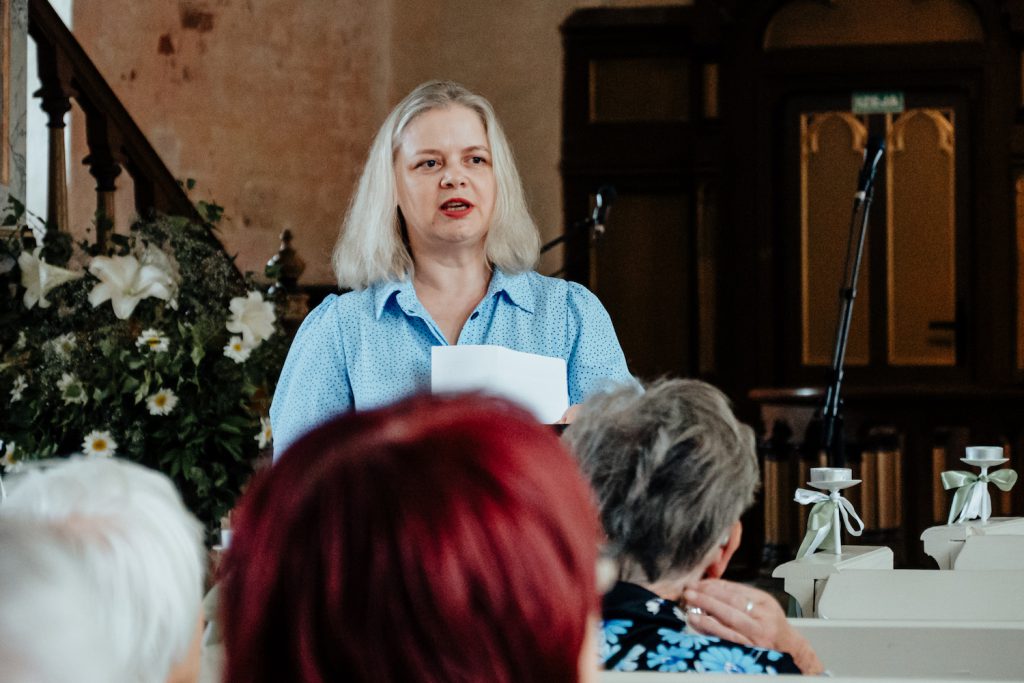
point(873, 153)
point(602, 204)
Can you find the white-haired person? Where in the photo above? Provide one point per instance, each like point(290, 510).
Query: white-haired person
point(673, 471)
point(438, 247)
point(47, 608)
point(139, 551)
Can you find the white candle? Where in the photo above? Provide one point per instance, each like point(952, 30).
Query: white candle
point(984, 453)
point(824, 475)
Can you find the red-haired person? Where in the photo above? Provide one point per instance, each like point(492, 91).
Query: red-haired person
point(439, 539)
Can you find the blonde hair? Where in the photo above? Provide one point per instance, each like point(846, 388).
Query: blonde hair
point(371, 247)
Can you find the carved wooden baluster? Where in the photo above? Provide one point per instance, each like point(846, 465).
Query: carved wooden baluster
point(55, 99)
point(290, 266)
point(145, 192)
point(105, 162)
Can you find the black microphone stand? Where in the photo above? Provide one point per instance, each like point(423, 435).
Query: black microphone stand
point(831, 414)
point(593, 225)
point(582, 224)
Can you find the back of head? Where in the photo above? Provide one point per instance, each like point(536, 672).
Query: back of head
point(371, 249)
point(435, 540)
point(673, 470)
point(136, 546)
point(47, 611)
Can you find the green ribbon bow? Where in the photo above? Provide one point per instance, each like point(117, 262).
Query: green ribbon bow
point(821, 531)
point(971, 499)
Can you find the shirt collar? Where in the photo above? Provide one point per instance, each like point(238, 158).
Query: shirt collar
point(516, 288)
point(383, 291)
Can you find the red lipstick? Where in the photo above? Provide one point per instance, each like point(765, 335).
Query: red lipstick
point(456, 207)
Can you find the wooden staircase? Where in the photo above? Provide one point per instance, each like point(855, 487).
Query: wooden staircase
point(115, 142)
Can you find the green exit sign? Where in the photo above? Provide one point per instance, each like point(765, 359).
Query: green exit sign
point(888, 102)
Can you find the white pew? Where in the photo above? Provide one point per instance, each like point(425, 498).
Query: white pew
point(944, 542)
point(658, 677)
point(805, 579)
point(991, 552)
point(925, 594)
point(919, 649)
point(894, 651)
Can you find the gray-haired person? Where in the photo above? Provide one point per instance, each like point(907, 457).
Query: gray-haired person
point(47, 610)
point(139, 552)
point(673, 471)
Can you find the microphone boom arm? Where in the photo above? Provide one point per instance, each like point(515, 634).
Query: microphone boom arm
point(831, 413)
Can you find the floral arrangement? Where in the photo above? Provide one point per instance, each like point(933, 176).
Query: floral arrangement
point(157, 350)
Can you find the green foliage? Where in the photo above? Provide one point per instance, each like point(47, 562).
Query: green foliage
point(209, 440)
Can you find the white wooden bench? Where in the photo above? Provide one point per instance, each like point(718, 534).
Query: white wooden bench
point(880, 651)
point(991, 552)
point(944, 542)
point(805, 579)
point(925, 594)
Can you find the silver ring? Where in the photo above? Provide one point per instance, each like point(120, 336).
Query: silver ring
point(750, 607)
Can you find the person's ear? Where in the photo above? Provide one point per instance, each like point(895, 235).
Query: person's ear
point(725, 552)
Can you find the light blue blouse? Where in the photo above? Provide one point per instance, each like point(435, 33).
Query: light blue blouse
point(368, 348)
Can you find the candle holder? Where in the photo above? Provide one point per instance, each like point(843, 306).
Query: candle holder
point(972, 499)
point(831, 512)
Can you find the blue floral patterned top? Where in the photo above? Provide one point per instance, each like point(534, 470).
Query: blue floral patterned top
point(642, 632)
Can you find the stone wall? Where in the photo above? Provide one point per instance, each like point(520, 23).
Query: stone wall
point(270, 105)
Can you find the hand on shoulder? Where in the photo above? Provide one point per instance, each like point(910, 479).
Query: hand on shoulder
point(749, 616)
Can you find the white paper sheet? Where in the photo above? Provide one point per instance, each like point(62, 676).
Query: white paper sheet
point(538, 383)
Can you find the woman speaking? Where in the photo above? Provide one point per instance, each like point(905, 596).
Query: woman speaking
point(438, 249)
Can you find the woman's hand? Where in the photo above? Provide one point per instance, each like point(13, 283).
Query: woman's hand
point(748, 616)
point(569, 415)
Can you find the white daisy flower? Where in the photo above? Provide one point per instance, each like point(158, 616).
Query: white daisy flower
point(71, 389)
point(20, 384)
point(251, 317)
point(154, 340)
point(64, 344)
point(99, 444)
point(265, 436)
point(8, 461)
point(236, 350)
point(162, 402)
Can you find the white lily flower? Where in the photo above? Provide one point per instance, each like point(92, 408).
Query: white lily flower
point(266, 435)
point(125, 282)
point(158, 258)
point(154, 340)
point(252, 317)
point(100, 444)
point(71, 390)
point(236, 350)
point(39, 278)
point(162, 402)
point(20, 384)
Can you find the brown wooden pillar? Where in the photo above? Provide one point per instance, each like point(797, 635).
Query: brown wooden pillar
point(55, 99)
point(105, 162)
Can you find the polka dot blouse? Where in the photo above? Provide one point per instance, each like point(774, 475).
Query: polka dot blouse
point(368, 348)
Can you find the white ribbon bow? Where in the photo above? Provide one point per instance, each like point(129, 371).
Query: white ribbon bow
point(978, 505)
point(820, 522)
